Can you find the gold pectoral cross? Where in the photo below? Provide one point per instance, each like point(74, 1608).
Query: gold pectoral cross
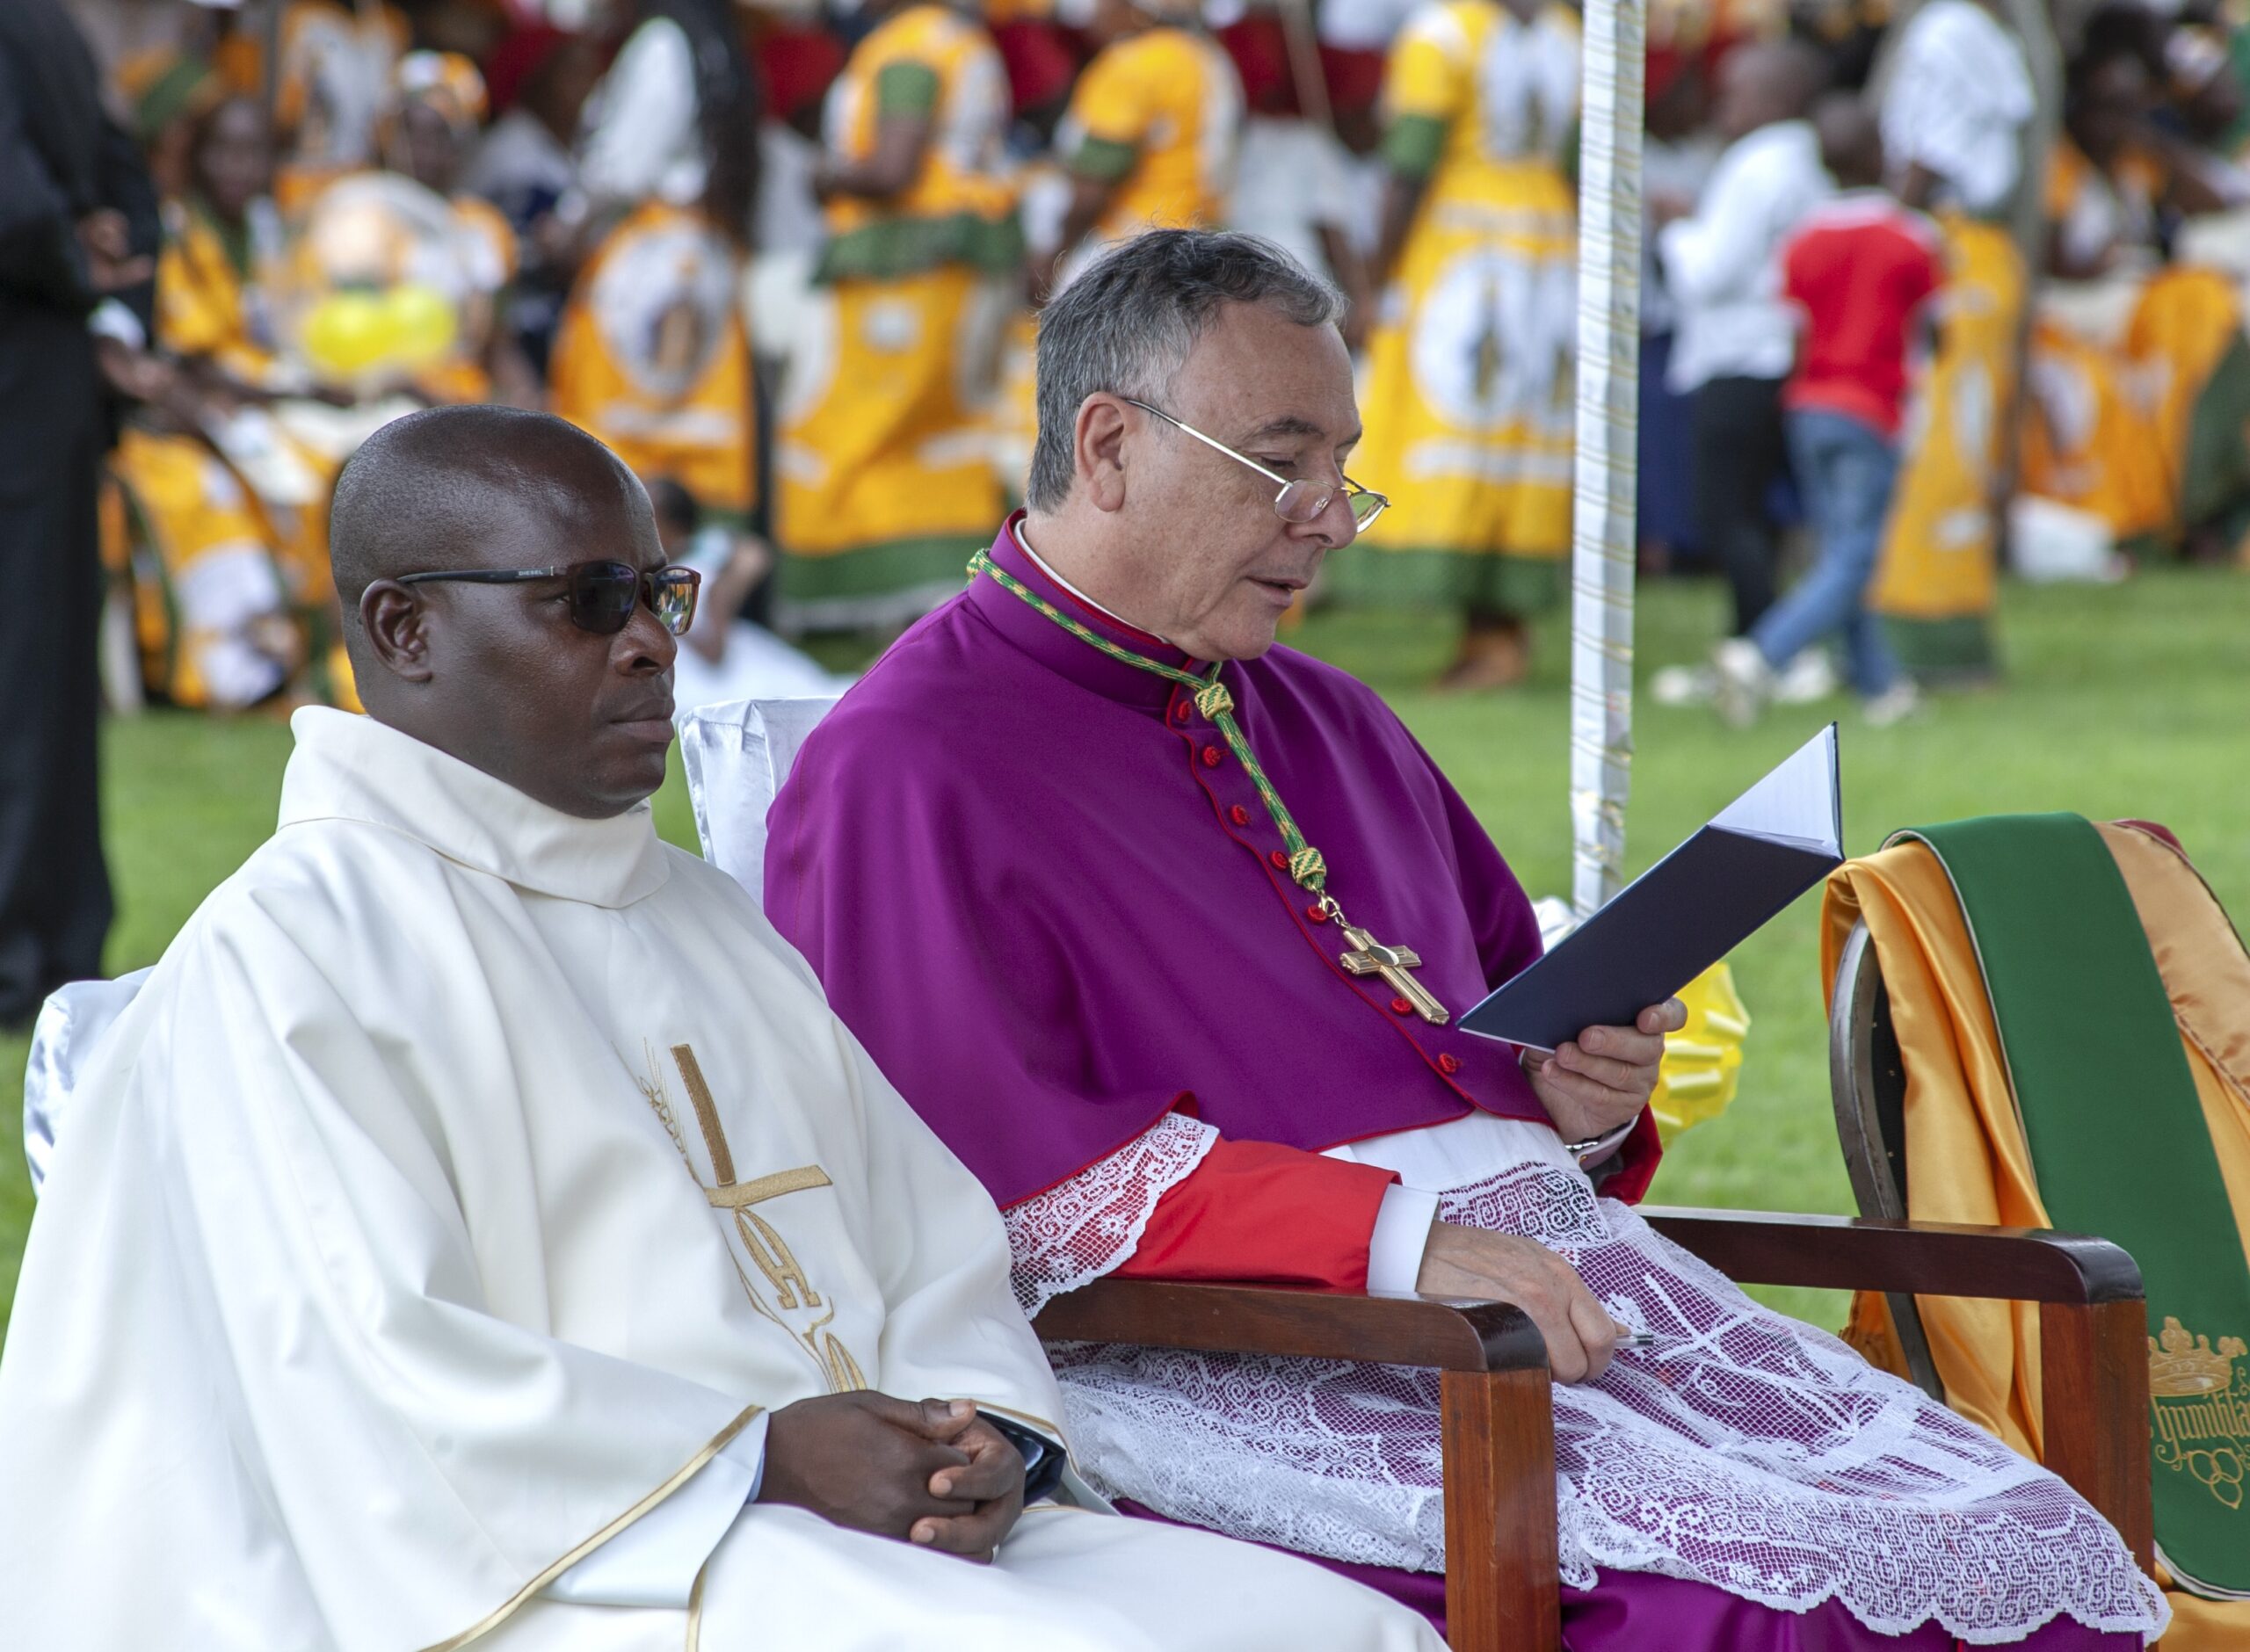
point(1370, 957)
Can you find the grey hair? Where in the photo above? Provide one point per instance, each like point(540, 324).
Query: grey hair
point(1128, 322)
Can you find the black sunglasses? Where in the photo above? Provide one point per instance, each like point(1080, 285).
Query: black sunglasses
point(602, 594)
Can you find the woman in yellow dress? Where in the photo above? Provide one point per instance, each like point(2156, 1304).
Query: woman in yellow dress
point(1468, 407)
point(1153, 129)
point(230, 578)
point(883, 470)
point(2139, 426)
point(1151, 138)
point(652, 354)
point(1957, 102)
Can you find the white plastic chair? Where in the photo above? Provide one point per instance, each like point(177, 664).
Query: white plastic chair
point(69, 1029)
point(736, 755)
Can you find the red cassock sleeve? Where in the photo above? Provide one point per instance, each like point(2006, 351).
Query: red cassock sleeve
point(1258, 1213)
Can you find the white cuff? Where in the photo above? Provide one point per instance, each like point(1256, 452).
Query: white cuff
point(1402, 1232)
point(1596, 1150)
point(113, 319)
point(654, 1561)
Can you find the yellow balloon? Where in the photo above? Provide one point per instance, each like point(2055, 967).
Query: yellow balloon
point(1702, 1062)
point(344, 335)
point(418, 323)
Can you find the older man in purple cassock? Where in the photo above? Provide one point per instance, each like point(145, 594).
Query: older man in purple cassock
point(1165, 930)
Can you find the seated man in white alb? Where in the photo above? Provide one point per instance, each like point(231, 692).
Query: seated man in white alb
point(478, 1230)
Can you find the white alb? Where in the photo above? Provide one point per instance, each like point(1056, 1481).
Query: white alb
point(429, 1233)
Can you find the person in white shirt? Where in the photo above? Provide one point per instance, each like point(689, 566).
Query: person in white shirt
point(478, 1230)
point(1953, 109)
point(675, 119)
point(1736, 336)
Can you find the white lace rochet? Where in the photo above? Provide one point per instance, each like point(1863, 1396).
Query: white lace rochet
point(1758, 1455)
point(1078, 1230)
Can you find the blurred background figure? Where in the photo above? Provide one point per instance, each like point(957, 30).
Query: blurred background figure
point(332, 83)
point(1153, 131)
point(2139, 375)
point(723, 655)
point(526, 166)
point(652, 354)
point(1469, 408)
point(1678, 151)
point(428, 133)
point(225, 506)
point(1860, 271)
point(883, 466)
point(1301, 177)
point(69, 191)
point(1959, 100)
point(1737, 335)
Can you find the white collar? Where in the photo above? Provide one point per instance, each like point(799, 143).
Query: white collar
point(1040, 562)
point(351, 767)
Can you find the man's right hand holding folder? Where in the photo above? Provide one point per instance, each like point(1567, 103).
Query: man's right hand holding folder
point(1757, 855)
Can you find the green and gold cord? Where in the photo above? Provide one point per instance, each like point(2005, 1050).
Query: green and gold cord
point(1306, 867)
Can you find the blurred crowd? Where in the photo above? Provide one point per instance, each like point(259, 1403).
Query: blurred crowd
point(786, 259)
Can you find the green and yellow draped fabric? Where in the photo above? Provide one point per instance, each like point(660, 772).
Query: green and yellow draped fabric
point(2073, 1011)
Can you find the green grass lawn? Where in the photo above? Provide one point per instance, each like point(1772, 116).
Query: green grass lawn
point(2127, 700)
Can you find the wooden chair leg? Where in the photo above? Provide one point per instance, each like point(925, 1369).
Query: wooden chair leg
point(2094, 1388)
point(1502, 1589)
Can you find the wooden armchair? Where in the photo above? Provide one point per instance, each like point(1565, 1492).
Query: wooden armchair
point(1503, 1593)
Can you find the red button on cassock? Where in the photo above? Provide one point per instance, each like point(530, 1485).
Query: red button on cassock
point(1183, 711)
point(1449, 1064)
point(1240, 815)
point(1281, 861)
point(1211, 757)
point(1317, 913)
point(1399, 1006)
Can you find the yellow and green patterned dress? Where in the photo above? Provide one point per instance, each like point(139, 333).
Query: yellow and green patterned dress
point(1468, 409)
point(883, 475)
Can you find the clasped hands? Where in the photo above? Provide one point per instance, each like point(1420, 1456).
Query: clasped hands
point(932, 1473)
point(1589, 1086)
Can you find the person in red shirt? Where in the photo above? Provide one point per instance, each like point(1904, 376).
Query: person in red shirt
point(1860, 268)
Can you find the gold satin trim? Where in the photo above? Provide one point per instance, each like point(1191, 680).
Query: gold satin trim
point(735, 1195)
point(1967, 1160)
point(687, 1471)
point(707, 1111)
point(695, 1608)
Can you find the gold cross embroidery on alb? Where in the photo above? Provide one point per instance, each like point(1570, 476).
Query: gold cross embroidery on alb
point(794, 1299)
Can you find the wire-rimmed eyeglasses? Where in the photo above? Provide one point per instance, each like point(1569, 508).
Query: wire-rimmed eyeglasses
point(1298, 502)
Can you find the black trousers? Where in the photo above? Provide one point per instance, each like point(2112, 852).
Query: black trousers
point(1740, 452)
point(55, 892)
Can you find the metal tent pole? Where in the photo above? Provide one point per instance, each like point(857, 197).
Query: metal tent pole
point(1603, 532)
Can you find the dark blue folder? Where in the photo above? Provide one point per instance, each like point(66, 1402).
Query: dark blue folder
point(1683, 913)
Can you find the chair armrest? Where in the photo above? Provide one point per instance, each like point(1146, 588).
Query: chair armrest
point(1448, 1333)
point(1926, 1258)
